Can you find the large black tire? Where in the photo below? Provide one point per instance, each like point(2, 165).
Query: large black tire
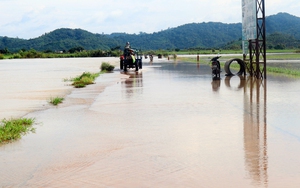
point(140, 64)
point(136, 66)
point(125, 65)
point(121, 64)
point(240, 62)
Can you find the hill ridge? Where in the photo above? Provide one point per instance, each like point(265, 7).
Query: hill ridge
point(190, 35)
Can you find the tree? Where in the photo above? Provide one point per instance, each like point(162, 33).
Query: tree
point(4, 51)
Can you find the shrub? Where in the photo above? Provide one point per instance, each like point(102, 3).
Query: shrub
point(85, 79)
point(97, 53)
point(31, 54)
point(107, 67)
point(116, 53)
point(17, 56)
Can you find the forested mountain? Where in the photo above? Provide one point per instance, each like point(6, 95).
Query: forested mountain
point(282, 32)
point(283, 23)
point(59, 40)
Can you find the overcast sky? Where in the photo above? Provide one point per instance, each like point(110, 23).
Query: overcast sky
point(32, 18)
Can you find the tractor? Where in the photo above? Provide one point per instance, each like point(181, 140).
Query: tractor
point(131, 59)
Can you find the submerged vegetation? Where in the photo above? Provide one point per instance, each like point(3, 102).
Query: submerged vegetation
point(87, 78)
point(106, 67)
point(13, 129)
point(56, 100)
point(84, 79)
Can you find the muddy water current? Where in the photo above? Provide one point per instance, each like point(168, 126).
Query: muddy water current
point(168, 125)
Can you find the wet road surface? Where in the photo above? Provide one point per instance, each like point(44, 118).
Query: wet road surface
point(169, 125)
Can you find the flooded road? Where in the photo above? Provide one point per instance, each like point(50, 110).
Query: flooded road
point(168, 125)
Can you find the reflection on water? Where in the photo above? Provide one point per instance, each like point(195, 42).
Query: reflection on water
point(255, 124)
point(241, 84)
point(133, 84)
point(255, 130)
point(216, 83)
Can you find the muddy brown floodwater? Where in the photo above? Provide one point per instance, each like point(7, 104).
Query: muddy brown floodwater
point(169, 125)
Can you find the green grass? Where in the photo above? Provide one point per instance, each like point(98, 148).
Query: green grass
point(56, 100)
point(284, 71)
point(84, 79)
point(87, 78)
point(291, 56)
point(13, 129)
point(282, 51)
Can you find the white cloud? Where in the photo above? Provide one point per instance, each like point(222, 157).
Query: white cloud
point(32, 18)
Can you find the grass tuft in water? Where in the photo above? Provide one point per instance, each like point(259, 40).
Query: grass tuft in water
point(106, 67)
point(55, 101)
point(87, 78)
point(84, 79)
point(13, 129)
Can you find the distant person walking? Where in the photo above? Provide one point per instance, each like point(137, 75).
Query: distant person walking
point(151, 57)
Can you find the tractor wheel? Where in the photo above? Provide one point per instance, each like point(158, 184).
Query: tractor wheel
point(140, 64)
point(136, 66)
point(125, 65)
point(121, 64)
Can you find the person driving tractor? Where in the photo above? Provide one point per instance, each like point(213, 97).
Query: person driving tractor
point(128, 52)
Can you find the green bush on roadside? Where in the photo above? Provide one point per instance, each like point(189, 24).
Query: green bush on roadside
point(13, 129)
point(31, 54)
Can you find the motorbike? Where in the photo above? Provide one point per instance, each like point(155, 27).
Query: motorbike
point(215, 67)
